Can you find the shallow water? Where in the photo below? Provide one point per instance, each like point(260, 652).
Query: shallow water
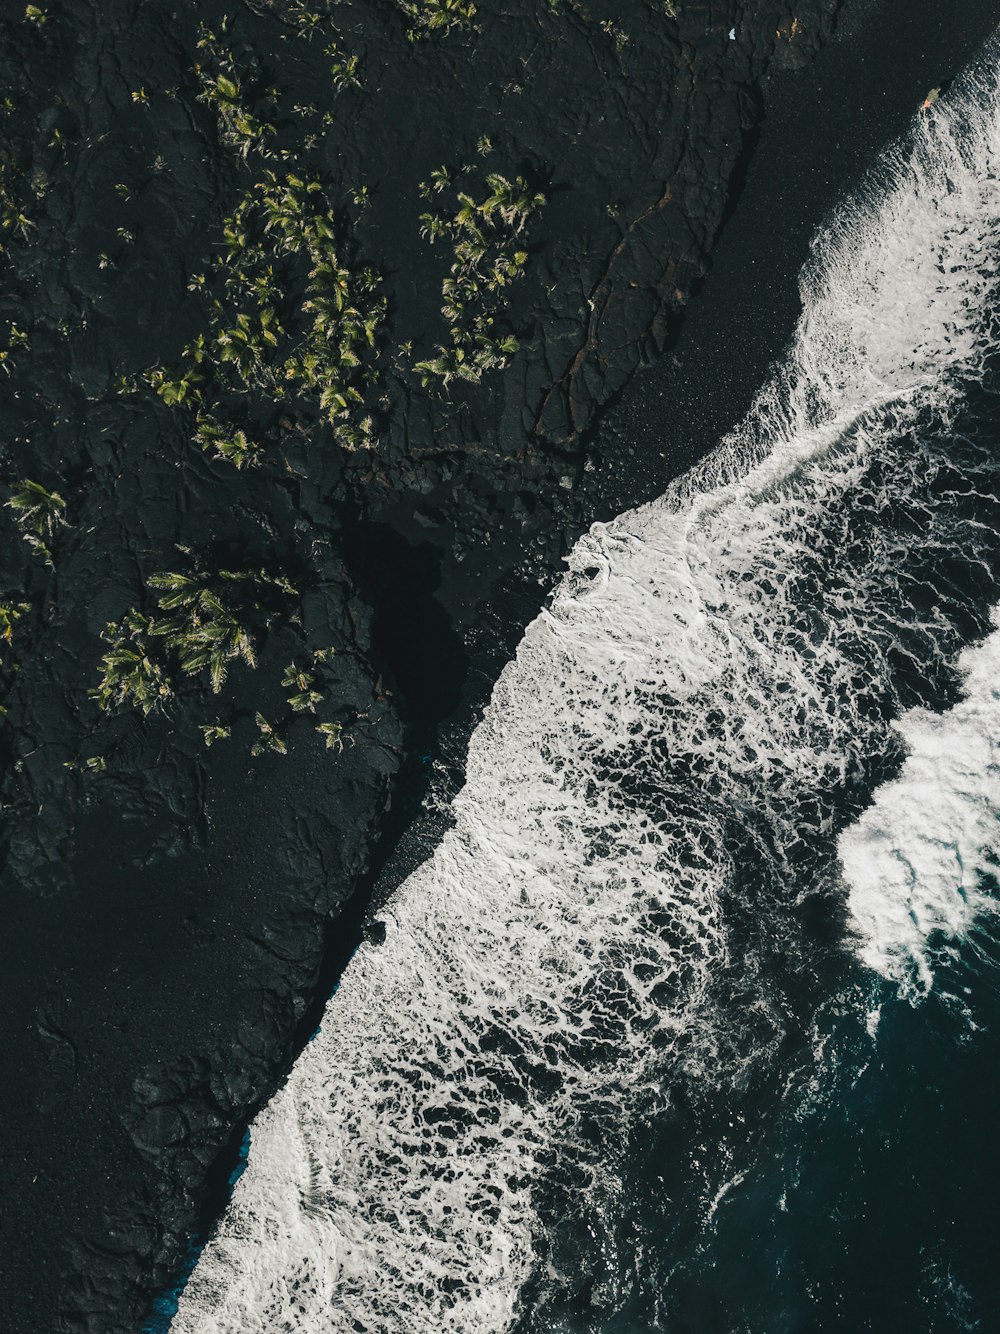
point(670, 1031)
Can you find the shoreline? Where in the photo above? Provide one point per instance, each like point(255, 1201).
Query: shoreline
point(707, 395)
point(746, 242)
point(821, 131)
point(810, 144)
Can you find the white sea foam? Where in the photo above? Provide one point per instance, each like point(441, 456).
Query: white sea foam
point(712, 671)
point(917, 859)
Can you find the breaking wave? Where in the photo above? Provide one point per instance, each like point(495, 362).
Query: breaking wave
point(656, 789)
point(921, 862)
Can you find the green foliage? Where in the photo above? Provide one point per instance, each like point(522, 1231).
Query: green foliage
point(248, 342)
point(226, 442)
point(269, 738)
point(227, 92)
point(300, 689)
point(203, 622)
point(512, 200)
point(184, 386)
point(282, 246)
point(133, 674)
point(304, 691)
point(333, 733)
point(290, 314)
point(483, 236)
point(344, 69)
point(438, 16)
point(10, 614)
point(206, 621)
point(206, 630)
point(174, 389)
point(38, 513)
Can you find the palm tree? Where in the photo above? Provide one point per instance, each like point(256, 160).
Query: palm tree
point(177, 389)
point(269, 738)
point(131, 674)
point(10, 614)
point(300, 689)
point(449, 364)
point(230, 444)
point(207, 632)
point(36, 509)
point(333, 735)
point(513, 201)
point(439, 15)
point(432, 227)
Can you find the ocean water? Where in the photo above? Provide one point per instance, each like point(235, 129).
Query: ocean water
point(690, 1021)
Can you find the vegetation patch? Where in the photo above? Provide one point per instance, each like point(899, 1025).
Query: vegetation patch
point(10, 614)
point(292, 316)
point(484, 230)
point(237, 97)
point(39, 514)
point(437, 16)
point(203, 622)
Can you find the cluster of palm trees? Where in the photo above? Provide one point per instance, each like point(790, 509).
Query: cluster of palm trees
point(134, 672)
point(300, 689)
point(282, 251)
point(345, 69)
point(205, 620)
point(483, 234)
point(290, 316)
point(226, 441)
point(14, 221)
point(224, 90)
point(281, 248)
point(307, 687)
point(438, 16)
point(335, 356)
point(183, 387)
point(302, 696)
